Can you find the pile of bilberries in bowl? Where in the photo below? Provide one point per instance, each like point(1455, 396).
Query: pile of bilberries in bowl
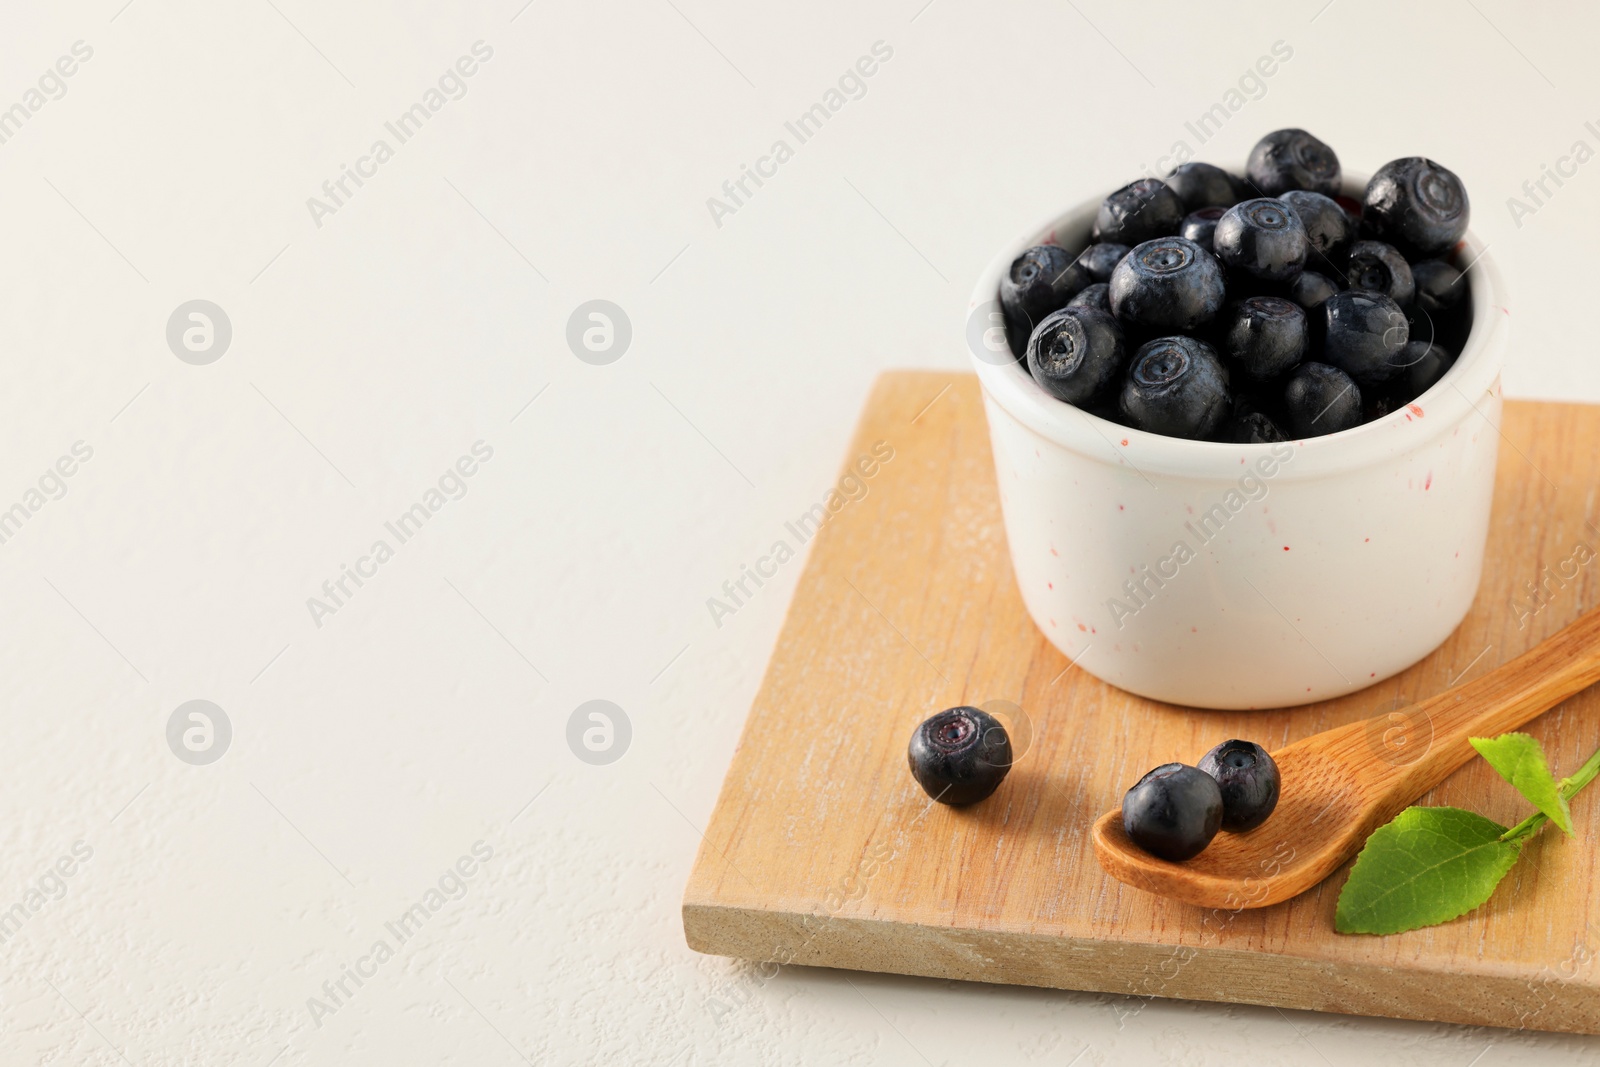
point(1250, 308)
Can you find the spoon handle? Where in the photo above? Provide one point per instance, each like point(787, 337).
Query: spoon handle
point(1504, 699)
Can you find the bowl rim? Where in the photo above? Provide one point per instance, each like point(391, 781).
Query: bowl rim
point(1466, 390)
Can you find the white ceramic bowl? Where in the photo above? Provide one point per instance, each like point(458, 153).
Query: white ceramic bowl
point(1245, 576)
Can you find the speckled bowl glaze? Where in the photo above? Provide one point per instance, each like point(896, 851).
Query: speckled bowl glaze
point(1245, 576)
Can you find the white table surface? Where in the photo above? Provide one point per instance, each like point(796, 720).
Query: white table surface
point(429, 711)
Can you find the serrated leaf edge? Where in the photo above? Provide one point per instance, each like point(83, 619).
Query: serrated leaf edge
point(1339, 922)
point(1562, 816)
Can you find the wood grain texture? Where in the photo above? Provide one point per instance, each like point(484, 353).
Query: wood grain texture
point(1340, 785)
point(822, 850)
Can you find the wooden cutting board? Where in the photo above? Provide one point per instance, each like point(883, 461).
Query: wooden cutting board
point(823, 851)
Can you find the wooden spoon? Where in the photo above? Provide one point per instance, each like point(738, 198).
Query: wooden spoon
point(1342, 784)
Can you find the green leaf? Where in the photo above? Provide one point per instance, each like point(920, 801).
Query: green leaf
point(1520, 761)
point(1428, 866)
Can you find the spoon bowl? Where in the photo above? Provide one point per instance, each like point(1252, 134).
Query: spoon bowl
point(1340, 785)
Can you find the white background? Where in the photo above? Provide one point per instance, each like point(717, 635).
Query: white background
point(369, 353)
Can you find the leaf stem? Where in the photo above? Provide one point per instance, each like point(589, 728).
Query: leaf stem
point(1569, 787)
